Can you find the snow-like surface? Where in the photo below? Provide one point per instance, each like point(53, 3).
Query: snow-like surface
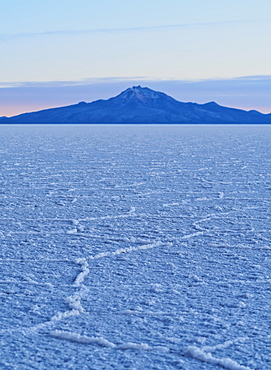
point(142, 94)
point(139, 247)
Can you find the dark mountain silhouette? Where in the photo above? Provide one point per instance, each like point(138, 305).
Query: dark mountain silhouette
point(141, 105)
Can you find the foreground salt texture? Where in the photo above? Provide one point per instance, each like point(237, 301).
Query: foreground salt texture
point(135, 247)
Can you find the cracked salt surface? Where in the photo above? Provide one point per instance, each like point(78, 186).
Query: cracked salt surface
point(135, 247)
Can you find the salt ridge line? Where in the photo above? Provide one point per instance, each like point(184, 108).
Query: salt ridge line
point(226, 363)
point(208, 218)
point(78, 228)
point(144, 246)
point(192, 351)
point(129, 249)
point(84, 339)
point(204, 354)
point(224, 345)
point(85, 271)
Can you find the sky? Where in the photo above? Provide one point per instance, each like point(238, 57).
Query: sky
point(60, 52)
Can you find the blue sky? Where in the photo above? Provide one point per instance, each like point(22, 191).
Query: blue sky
point(63, 51)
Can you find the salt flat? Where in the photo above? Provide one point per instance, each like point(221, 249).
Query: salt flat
point(135, 247)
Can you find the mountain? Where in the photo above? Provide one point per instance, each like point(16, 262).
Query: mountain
point(141, 105)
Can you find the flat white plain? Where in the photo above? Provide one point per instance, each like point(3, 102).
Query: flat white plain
point(135, 247)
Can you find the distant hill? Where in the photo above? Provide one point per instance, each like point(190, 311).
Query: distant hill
point(142, 105)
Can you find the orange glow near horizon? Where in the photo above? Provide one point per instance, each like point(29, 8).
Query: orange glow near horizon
point(14, 110)
point(263, 110)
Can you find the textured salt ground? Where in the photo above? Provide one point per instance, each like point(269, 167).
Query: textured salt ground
point(135, 247)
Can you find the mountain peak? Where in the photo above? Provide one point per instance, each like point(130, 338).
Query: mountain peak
point(138, 94)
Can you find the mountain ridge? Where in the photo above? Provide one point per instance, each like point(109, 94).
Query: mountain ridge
point(142, 105)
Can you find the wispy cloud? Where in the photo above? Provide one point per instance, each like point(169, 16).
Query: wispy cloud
point(82, 82)
point(241, 81)
point(5, 37)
